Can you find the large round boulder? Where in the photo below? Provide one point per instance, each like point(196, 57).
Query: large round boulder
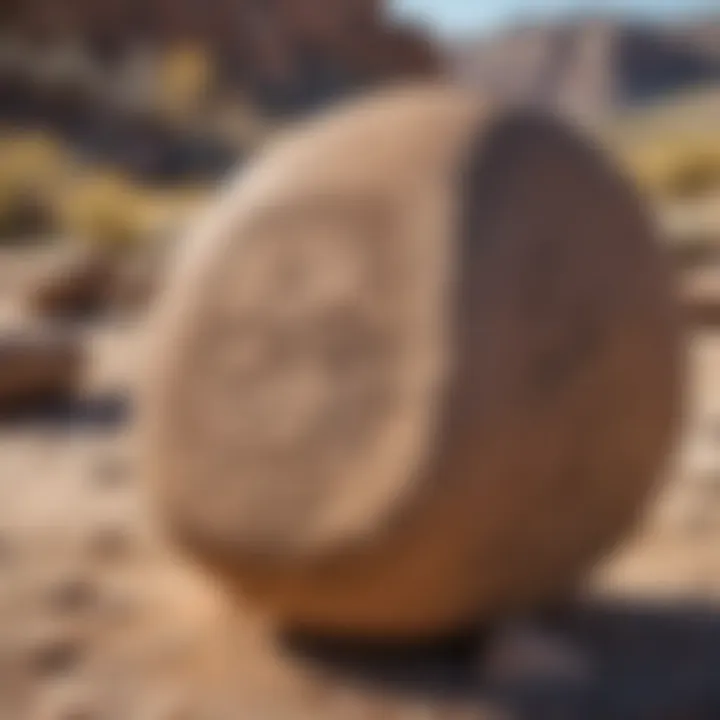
point(419, 366)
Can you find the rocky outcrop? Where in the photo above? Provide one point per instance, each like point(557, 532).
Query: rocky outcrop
point(288, 55)
point(593, 66)
point(142, 84)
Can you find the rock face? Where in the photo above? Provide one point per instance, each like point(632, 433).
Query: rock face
point(122, 80)
point(288, 56)
point(594, 66)
point(419, 367)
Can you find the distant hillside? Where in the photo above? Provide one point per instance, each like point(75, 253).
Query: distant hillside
point(168, 89)
point(595, 66)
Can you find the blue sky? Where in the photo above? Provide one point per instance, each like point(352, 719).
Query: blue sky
point(453, 17)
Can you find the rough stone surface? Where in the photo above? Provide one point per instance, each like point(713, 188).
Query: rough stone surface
point(420, 366)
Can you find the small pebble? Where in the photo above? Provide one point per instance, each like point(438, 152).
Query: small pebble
point(57, 657)
point(523, 653)
point(74, 596)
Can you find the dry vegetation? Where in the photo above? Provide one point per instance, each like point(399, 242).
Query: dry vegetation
point(32, 169)
point(44, 192)
point(673, 149)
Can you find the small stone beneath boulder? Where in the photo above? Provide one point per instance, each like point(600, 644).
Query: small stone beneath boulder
point(73, 284)
point(38, 364)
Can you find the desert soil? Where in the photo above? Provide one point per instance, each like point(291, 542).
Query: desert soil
point(100, 621)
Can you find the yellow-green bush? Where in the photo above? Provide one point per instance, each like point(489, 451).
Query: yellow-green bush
point(32, 167)
point(42, 191)
point(108, 209)
point(695, 174)
point(186, 75)
point(675, 168)
point(672, 148)
point(103, 209)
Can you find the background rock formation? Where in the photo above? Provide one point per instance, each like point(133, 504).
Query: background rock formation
point(596, 66)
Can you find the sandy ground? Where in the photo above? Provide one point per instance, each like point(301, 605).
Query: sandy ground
point(99, 621)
